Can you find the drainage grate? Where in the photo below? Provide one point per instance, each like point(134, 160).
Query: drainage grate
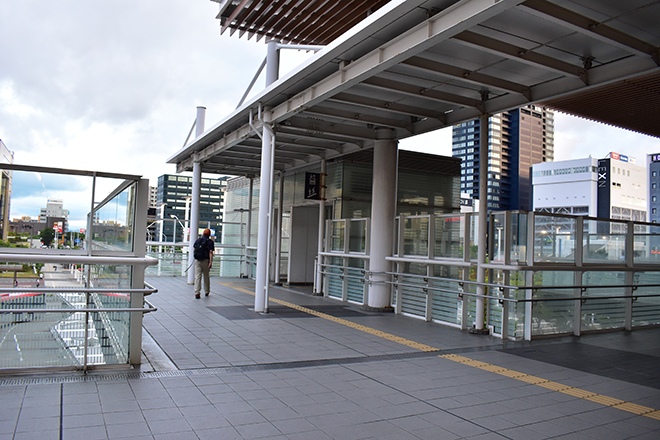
point(92, 377)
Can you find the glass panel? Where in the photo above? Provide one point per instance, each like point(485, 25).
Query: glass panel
point(413, 299)
point(113, 222)
point(358, 236)
point(474, 235)
point(337, 231)
point(604, 242)
point(517, 310)
point(606, 313)
point(416, 236)
point(646, 311)
point(647, 244)
point(554, 239)
point(519, 238)
point(447, 305)
point(355, 280)
point(57, 339)
point(396, 235)
point(334, 281)
point(449, 239)
point(498, 253)
point(553, 317)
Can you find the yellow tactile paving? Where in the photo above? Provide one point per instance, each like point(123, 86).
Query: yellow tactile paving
point(533, 380)
point(384, 335)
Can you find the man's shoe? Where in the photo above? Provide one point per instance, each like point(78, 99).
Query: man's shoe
point(207, 293)
point(197, 296)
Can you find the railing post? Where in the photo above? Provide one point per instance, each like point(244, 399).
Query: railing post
point(529, 275)
point(630, 263)
point(577, 277)
point(508, 244)
point(137, 280)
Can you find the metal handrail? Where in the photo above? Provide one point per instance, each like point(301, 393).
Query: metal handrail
point(149, 309)
point(344, 255)
point(147, 291)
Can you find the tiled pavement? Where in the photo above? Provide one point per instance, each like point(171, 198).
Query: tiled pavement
point(225, 372)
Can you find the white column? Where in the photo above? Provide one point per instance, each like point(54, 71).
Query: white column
point(383, 210)
point(483, 219)
point(265, 187)
point(272, 62)
point(194, 201)
point(319, 259)
point(263, 234)
point(278, 229)
point(248, 227)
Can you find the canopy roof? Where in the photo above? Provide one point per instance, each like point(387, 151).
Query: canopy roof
point(314, 22)
point(419, 65)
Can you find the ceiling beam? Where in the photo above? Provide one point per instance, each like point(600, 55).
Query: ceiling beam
point(520, 53)
point(321, 127)
point(359, 117)
point(423, 92)
point(467, 75)
point(379, 104)
point(588, 26)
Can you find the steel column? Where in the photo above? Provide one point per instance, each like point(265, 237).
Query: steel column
point(194, 201)
point(483, 220)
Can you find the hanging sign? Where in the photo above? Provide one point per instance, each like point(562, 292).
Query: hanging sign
point(312, 186)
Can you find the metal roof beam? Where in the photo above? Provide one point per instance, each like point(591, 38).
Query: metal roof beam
point(468, 75)
point(422, 92)
point(318, 126)
point(378, 104)
point(359, 117)
point(520, 53)
point(588, 26)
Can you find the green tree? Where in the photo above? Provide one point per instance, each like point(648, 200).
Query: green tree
point(47, 236)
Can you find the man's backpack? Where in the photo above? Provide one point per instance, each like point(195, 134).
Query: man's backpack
point(201, 249)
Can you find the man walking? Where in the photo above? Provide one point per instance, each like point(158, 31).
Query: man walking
point(203, 253)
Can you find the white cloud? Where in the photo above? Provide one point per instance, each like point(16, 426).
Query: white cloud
point(113, 86)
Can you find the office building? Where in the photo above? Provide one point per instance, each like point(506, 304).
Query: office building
point(612, 188)
point(517, 139)
point(6, 156)
point(55, 212)
point(653, 164)
point(173, 199)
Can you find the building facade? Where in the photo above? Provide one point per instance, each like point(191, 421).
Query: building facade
point(653, 164)
point(614, 187)
point(6, 156)
point(566, 187)
point(174, 193)
point(517, 139)
point(55, 209)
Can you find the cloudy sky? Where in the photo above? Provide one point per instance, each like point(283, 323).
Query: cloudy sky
point(113, 86)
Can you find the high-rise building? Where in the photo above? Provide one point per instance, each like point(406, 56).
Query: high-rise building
point(517, 139)
point(153, 196)
point(6, 156)
point(173, 196)
point(653, 164)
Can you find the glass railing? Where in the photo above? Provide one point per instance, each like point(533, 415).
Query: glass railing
point(78, 288)
point(577, 274)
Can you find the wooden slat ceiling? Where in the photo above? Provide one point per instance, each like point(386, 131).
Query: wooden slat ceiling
point(313, 22)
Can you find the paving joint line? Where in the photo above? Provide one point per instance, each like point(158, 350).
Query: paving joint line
point(533, 380)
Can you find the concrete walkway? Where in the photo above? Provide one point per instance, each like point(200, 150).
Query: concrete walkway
point(319, 369)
